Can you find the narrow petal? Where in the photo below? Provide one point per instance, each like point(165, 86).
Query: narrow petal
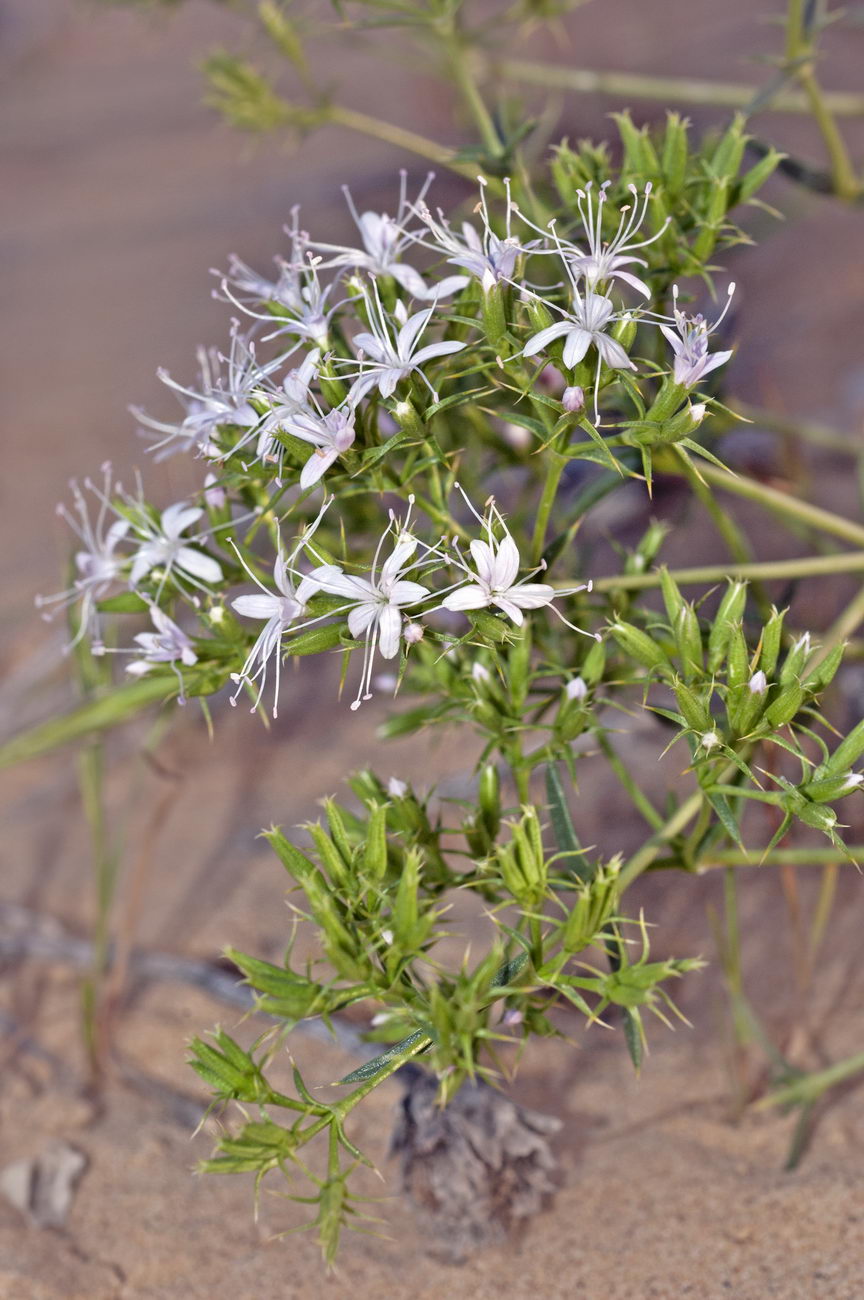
point(316, 466)
point(612, 353)
point(436, 350)
point(506, 565)
point(389, 631)
point(407, 593)
point(539, 342)
point(484, 560)
point(531, 595)
point(411, 331)
point(510, 609)
point(200, 566)
point(577, 343)
point(256, 606)
point(178, 517)
point(370, 345)
point(361, 618)
point(468, 597)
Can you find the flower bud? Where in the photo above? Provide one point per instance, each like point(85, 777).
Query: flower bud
point(576, 689)
point(837, 787)
point(641, 647)
point(710, 740)
point(396, 789)
point(413, 633)
point(795, 660)
point(786, 705)
point(213, 494)
point(573, 399)
point(758, 683)
point(729, 612)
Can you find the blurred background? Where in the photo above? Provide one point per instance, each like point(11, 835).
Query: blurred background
point(121, 190)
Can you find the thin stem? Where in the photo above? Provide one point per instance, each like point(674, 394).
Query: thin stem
point(402, 138)
point(678, 90)
point(459, 62)
point(810, 566)
point(781, 502)
point(800, 49)
point(817, 434)
point(555, 464)
point(815, 857)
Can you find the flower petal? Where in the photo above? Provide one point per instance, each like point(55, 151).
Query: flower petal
point(470, 596)
point(389, 631)
point(577, 343)
point(539, 342)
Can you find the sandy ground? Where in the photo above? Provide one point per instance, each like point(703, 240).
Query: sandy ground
point(122, 193)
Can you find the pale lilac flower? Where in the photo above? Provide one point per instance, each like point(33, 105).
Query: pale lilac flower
point(296, 304)
point(397, 789)
point(495, 576)
point(413, 633)
point(592, 314)
point(97, 564)
point(758, 683)
point(214, 494)
point(279, 610)
point(223, 398)
point(689, 341)
point(163, 545)
point(285, 402)
point(164, 646)
point(576, 689)
point(486, 257)
point(573, 399)
point(604, 259)
point(386, 357)
point(330, 435)
point(375, 603)
point(384, 240)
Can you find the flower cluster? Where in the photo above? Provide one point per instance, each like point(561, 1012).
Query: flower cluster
point(332, 365)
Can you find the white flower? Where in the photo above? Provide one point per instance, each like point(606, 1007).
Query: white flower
point(164, 545)
point(296, 304)
point(605, 259)
point(97, 563)
point(285, 402)
point(375, 603)
point(330, 435)
point(279, 610)
point(576, 689)
point(222, 398)
point(487, 257)
point(591, 315)
point(384, 240)
point(397, 789)
point(758, 683)
point(164, 646)
point(495, 574)
point(689, 341)
point(385, 359)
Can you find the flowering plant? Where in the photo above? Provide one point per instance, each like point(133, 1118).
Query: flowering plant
point(400, 448)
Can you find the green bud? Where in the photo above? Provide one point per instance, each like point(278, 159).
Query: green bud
point(375, 852)
point(831, 788)
point(624, 331)
point(674, 156)
point(408, 419)
point(667, 401)
point(539, 317)
point(824, 674)
point(641, 647)
point(737, 658)
point(695, 712)
point(332, 387)
point(786, 705)
point(796, 659)
point(493, 310)
point(672, 598)
point(594, 664)
point(819, 816)
point(489, 800)
point(847, 752)
point(747, 704)
point(522, 862)
point(772, 635)
point(729, 612)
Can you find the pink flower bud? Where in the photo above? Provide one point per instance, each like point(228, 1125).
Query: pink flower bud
point(573, 399)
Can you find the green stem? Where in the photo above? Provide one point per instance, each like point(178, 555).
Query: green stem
point(780, 502)
point(800, 51)
point(811, 1086)
point(679, 90)
point(402, 138)
point(810, 566)
point(458, 60)
point(817, 434)
point(815, 857)
point(555, 464)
